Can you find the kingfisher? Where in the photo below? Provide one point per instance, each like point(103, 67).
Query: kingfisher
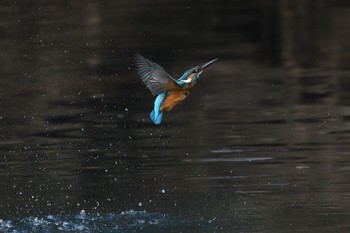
point(169, 91)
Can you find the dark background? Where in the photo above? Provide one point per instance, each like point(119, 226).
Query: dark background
point(261, 144)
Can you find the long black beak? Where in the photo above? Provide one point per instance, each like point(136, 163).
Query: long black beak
point(208, 63)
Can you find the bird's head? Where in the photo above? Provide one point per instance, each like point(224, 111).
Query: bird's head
point(191, 75)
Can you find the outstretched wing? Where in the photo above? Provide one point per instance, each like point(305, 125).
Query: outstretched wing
point(153, 75)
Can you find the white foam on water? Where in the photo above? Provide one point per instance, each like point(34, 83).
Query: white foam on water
point(126, 221)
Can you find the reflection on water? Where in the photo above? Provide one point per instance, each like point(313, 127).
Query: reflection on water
point(255, 147)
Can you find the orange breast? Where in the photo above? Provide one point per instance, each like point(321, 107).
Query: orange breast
point(173, 98)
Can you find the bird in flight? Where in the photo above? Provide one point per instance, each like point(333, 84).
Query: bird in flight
point(169, 91)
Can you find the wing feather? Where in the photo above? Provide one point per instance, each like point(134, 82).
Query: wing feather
point(153, 75)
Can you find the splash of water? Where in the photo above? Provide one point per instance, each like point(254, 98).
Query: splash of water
point(127, 221)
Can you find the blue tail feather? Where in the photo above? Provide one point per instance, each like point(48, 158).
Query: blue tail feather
point(156, 115)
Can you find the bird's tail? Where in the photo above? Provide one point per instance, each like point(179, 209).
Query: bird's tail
point(156, 115)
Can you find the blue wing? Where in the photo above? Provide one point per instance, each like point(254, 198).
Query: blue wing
point(153, 75)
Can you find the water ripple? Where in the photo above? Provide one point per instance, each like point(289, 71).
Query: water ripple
point(235, 159)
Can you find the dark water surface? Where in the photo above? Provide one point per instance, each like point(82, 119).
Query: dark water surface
point(255, 147)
